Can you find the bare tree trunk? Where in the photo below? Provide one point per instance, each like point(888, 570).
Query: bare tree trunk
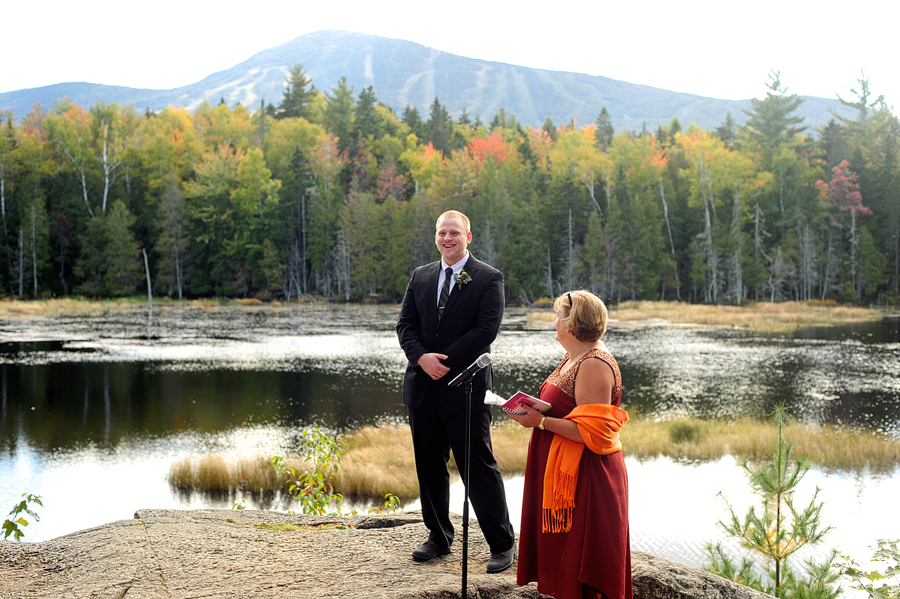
point(736, 252)
point(303, 242)
point(149, 285)
point(758, 251)
point(662, 195)
point(179, 279)
point(343, 265)
point(828, 258)
point(109, 164)
point(609, 188)
point(854, 257)
point(549, 273)
point(34, 249)
point(590, 187)
point(85, 192)
point(21, 264)
point(711, 261)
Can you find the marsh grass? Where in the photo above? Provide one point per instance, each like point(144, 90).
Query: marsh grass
point(824, 447)
point(213, 474)
point(379, 460)
point(765, 317)
point(73, 306)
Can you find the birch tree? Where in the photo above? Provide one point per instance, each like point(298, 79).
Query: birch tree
point(110, 145)
point(70, 131)
point(7, 156)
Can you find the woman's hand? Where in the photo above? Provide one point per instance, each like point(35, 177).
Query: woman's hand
point(526, 416)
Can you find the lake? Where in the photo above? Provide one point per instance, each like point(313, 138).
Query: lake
point(94, 410)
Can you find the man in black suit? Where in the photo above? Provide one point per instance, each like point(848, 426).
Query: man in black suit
point(448, 319)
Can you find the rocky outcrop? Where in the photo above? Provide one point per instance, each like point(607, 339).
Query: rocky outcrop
point(226, 553)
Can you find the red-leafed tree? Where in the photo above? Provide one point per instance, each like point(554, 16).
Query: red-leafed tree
point(842, 194)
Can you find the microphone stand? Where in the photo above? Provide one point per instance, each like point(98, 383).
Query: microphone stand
point(465, 559)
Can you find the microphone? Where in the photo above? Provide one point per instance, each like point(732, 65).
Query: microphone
point(482, 361)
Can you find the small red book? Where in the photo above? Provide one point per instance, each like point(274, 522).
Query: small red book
point(515, 400)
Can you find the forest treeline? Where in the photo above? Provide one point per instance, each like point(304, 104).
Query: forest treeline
point(334, 195)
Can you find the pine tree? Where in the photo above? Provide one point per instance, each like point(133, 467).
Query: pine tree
point(413, 120)
point(770, 121)
point(726, 131)
point(339, 109)
point(604, 130)
point(550, 128)
point(299, 92)
point(439, 127)
point(779, 530)
point(365, 122)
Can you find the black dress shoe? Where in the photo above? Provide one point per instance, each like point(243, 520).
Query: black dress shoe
point(501, 561)
point(429, 550)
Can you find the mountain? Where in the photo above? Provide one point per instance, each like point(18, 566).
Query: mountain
point(405, 73)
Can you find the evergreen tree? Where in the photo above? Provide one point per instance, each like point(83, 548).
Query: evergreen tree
point(414, 121)
point(674, 127)
point(872, 264)
point(109, 264)
point(338, 117)
point(771, 121)
point(726, 131)
point(550, 129)
point(604, 130)
point(173, 243)
point(365, 121)
point(299, 93)
point(778, 530)
point(439, 127)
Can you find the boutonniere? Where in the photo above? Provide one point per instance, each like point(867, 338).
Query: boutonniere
point(461, 279)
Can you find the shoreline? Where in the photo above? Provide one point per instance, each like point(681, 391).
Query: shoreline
point(759, 317)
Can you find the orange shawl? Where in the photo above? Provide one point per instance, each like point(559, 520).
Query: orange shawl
point(599, 425)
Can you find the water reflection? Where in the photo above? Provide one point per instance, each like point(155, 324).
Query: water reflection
point(93, 399)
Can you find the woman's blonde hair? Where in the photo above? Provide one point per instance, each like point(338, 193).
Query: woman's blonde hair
point(583, 313)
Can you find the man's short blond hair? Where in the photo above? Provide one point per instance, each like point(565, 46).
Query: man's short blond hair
point(583, 313)
point(457, 215)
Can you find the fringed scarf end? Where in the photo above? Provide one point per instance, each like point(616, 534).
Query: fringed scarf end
point(557, 520)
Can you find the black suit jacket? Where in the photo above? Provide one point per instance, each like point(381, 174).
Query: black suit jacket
point(469, 325)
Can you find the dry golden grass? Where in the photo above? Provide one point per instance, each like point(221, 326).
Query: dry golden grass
point(758, 316)
point(826, 448)
point(59, 307)
point(213, 473)
point(379, 460)
point(32, 309)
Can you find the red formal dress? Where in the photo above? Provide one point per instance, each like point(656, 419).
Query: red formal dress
point(594, 556)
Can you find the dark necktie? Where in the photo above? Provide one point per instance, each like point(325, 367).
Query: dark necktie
point(445, 291)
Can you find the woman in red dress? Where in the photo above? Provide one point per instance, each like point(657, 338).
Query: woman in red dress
point(574, 538)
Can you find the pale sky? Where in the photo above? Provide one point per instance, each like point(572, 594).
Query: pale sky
point(707, 47)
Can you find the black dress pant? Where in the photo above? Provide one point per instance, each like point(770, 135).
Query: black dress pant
point(435, 433)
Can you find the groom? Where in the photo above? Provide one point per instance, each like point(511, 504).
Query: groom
point(450, 315)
